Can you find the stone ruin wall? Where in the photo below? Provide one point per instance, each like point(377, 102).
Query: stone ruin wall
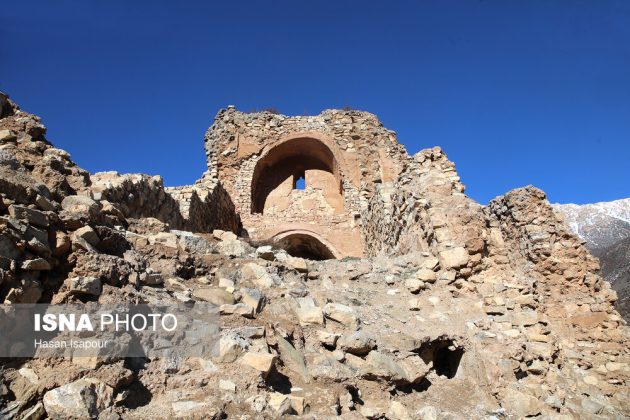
point(551, 272)
point(362, 154)
point(425, 210)
point(184, 208)
point(205, 210)
point(397, 217)
point(518, 256)
point(542, 335)
point(391, 203)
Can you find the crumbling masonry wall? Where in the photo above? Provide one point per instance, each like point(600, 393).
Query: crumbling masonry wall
point(185, 208)
point(425, 210)
point(342, 155)
point(497, 305)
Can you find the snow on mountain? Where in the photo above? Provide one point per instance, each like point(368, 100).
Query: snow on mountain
point(601, 225)
point(606, 229)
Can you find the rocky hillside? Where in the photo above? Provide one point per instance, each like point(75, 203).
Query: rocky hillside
point(615, 267)
point(511, 321)
point(605, 227)
point(600, 224)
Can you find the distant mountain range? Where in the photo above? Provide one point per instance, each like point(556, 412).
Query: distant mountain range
point(606, 229)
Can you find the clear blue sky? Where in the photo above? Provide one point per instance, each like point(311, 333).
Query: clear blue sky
point(515, 92)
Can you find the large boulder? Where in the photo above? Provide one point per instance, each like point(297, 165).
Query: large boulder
point(260, 361)
point(256, 274)
point(214, 295)
point(521, 404)
point(343, 314)
point(81, 206)
point(308, 312)
point(84, 285)
point(32, 216)
point(358, 343)
point(82, 399)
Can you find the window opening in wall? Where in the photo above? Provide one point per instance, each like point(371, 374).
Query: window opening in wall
point(299, 183)
point(289, 161)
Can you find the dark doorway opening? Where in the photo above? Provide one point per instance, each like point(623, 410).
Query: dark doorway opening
point(445, 355)
point(305, 246)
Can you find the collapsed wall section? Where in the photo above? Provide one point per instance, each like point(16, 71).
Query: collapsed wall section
point(24, 151)
point(537, 234)
point(425, 210)
point(138, 195)
point(552, 274)
point(206, 209)
point(184, 208)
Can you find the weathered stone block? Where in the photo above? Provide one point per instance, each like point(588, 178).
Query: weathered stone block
point(262, 362)
point(213, 295)
point(84, 398)
point(38, 264)
point(87, 234)
point(32, 216)
point(342, 314)
point(84, 285)
point(453, 258)
point(358, 343)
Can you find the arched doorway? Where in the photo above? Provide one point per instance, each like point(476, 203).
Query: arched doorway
point(306, 244)
point(297, 163)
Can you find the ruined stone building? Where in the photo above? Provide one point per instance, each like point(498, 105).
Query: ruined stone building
point(362, 194)
point(340, 156)
point(352, 279)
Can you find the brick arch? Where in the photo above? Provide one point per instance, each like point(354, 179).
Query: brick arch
point(311, 242)
point(291, 156)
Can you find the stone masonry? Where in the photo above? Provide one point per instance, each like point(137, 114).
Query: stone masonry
point(377, 290)
point(342, 155)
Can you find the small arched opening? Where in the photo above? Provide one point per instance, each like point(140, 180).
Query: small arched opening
point(306, 245)
point(296, 164)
